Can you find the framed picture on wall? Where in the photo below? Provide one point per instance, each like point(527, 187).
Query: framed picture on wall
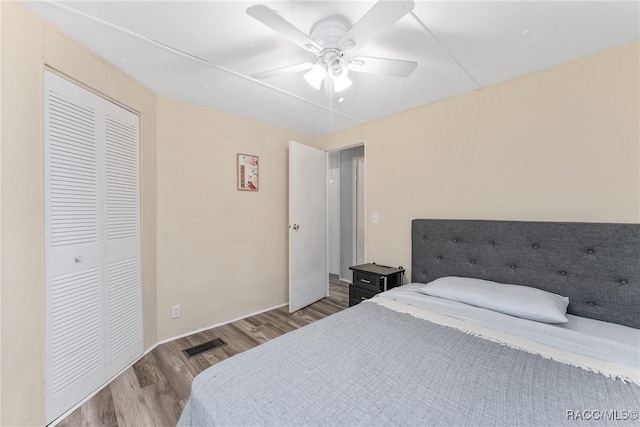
point(247, 172)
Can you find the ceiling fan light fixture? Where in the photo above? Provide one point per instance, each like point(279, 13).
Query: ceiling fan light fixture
point(315, 76)
point(341, 83)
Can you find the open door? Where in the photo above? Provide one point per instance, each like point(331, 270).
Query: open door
point(308, 276)
point(359, 216)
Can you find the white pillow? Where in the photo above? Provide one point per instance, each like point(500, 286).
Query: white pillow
point(515, 300)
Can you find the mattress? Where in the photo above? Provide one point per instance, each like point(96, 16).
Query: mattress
point(407, 359)
point(589, 337)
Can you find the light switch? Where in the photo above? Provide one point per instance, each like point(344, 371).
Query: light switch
point(374, 217)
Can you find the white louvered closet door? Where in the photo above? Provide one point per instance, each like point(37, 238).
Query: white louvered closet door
point(92, 273)
point(75, 355)
point(122, 239)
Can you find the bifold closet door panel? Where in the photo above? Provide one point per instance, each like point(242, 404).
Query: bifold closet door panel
point(74, 347)
point(122, 239)
point(92, 243)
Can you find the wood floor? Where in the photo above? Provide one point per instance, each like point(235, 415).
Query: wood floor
point(154, 391)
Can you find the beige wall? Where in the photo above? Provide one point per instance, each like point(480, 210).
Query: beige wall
point(27, 45)
point(562, 144)
point(222, 253)
point(558, 145)
point(0, 215)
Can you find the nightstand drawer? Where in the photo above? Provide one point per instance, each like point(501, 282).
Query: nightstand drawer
point(370, 281)
point(358, 294)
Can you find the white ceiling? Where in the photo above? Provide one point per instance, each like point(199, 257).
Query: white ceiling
point(203, 52)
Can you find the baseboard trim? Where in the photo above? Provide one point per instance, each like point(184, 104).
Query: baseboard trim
point(150, 349)
point(186, 334)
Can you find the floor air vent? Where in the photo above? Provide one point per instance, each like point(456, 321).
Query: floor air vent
point(201, 348)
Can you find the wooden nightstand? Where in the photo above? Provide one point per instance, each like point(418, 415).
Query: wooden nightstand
point(371, 279)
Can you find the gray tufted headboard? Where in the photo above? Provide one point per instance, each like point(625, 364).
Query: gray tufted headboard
point(596, 265)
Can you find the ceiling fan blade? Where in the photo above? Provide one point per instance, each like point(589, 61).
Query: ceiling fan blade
point(273, 20)
point(380, 17)
point(384, 66)
point(282, 70)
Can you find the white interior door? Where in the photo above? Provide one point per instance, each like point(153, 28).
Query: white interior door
point(121, 243)
point(75, 360)
point(308, 276)
point(359, 210)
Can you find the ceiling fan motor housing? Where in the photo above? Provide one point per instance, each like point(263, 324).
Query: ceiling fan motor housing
point(327, 33)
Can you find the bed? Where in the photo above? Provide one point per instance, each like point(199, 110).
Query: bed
point(409, 358)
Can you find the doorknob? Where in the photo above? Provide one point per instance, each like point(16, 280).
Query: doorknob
point(295, 226)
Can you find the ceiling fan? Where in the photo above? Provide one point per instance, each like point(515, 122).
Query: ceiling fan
point(336, 43)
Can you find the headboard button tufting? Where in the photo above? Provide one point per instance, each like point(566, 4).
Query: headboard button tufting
point(590, 251)
point(473, 261)
point(492, 243)
point(591, 304)
point(563, 273)
point(439, 258)
point(513, 266)
point(424, 237)
point(624, 282)
point(455, 240)
point(535, 246)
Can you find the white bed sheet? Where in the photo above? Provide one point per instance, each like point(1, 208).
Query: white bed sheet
point(588, 337)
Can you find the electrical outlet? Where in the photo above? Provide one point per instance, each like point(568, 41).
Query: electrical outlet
point(175, 311)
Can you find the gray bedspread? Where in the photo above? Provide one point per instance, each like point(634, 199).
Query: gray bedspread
point(372, 366)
